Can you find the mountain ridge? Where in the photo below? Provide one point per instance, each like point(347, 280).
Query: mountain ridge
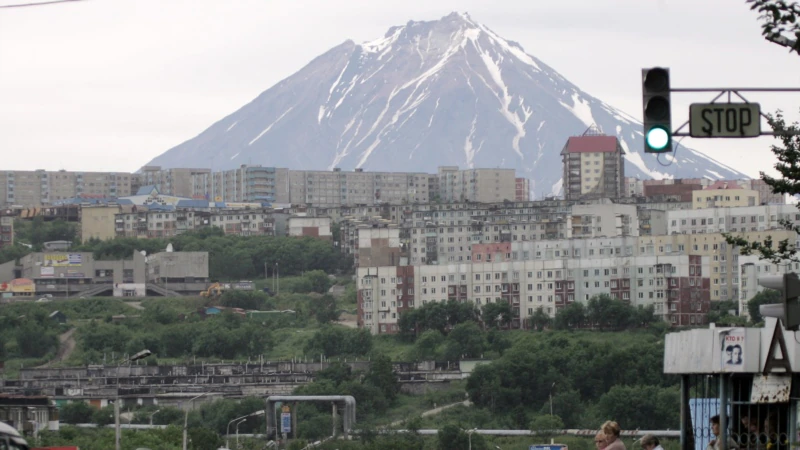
point(427, 94)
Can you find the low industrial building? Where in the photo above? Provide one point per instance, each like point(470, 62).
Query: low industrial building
point(28, 414)
point(79, 274)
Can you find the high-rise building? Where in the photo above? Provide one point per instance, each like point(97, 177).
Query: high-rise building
point(594, 166)
point(338, 188)
point(523, 190)
point(6, 231)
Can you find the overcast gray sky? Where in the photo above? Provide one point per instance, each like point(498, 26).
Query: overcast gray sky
point(109, 84)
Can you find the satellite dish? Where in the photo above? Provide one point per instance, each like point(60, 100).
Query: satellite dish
point(169, 248)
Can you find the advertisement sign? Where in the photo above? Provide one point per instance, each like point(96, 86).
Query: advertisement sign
point(286, 423)
point(732, 350)
point(47, 272)
point(62, 260)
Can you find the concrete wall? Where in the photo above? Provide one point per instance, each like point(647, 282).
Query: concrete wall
point(98, 222)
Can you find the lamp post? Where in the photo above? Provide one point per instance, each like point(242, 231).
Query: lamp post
point(237, 430)
point(469, 436)
point(551, 398)
point(243, 418)
point(117, 432)
point(186, 419)
point(151, 416)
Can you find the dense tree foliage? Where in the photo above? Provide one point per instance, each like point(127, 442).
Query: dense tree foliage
point(440, 316)
point(338, 341)
point(780, 22)
point(604, 312)
point(27, 332)
point(578, 371)
point(765, 297)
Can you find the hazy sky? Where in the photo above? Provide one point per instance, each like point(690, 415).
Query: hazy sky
point(109, 84)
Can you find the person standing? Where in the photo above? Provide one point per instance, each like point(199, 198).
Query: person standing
point(715, 443)
point(600, 441)
point(650, 442)
point(611, 430)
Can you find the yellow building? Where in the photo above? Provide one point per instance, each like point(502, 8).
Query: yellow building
point(723, 194)
point(98, 221)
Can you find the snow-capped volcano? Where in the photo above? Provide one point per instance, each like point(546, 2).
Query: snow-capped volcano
point(427, 94)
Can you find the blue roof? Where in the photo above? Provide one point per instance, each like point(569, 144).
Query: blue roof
point(192, 203)
point(146, 190)
point(93, 201)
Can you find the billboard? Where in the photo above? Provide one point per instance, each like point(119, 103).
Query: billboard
point(63, 260)
point(47, 272)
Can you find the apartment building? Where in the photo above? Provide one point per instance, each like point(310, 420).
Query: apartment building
point(250, 184)
point(6, 231)
point(159, 222)
point(41, 187)
point(477, 185)
point(683, 187)
point(179, 182)
point(99, 221)
point(731, 220)
point(371, 243)
point(339, 188)
point(677, 286)
point(522, 190)
point(724, 195)
point(318, 227)
point(446, 234)
point(593, 166)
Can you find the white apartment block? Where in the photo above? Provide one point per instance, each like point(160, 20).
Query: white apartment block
point(731, 220)
point(42, 187)
point(476, 185)
point(676, 286)
point(337, 188)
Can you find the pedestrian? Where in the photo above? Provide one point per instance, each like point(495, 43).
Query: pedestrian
point(650, 442)
point(600, 441)
point(611, 430)
point(715, 443)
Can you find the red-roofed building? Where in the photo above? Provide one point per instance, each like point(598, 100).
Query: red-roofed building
point(594, 166)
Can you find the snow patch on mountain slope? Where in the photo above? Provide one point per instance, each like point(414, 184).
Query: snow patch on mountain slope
point(269, 127)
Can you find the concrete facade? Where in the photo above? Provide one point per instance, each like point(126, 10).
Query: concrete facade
point(335, 188)
point(41, 187)
point(179, 182)
point(250, 184)
point(593, 166)
point(317, 227)
point(676, 285)
point(6, 231)
point(723, 195)
point(476, 185)
point(99, 221)
point(75, 274)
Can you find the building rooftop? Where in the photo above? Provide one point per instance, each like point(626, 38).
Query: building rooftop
point(591, 144)
point(147, 190)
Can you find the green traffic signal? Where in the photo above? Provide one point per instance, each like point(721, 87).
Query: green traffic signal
point(658, 138)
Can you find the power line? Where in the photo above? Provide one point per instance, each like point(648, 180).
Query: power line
point(21, 5)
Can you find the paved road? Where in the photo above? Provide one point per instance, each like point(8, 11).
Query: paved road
point(66, 345)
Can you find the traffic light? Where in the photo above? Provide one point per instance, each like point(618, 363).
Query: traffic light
point(657, 116)
point(788, 310)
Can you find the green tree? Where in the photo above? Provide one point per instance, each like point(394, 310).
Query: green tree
point(624, 404)
point(465, 341)
point(427, 345)
point(204, 439)
point(546, 424)
point(324, 309)
point(765, 297)
point(540, 319)
point(34, 340)
point(382, 376)
point(76, 412)
point(103, 416)
point(318, 280)
point(780, 22)
point(496, 314)
point(571, 316)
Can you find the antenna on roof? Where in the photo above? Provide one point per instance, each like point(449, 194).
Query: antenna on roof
point(594, 130)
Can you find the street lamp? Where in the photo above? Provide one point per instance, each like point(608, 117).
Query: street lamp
point(551, 398)
point(237, 431)
point(469, 436)
point(151, 416)
point(186, 419)
point(243, 418)
point(117, 432)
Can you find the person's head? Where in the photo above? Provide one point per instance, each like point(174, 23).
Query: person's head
point(600, 441)
point(750, 424)
point(649, 442)
point(737, 352)
point(729, 350)
point(611, 430)
point(714, 421)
